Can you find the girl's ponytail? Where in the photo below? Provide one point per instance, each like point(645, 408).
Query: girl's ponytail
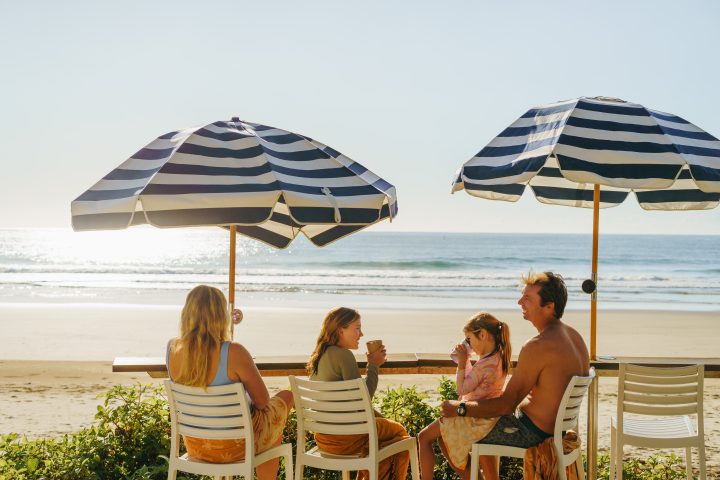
point(502, 340)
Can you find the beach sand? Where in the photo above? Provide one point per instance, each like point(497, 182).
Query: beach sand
point(57, 358)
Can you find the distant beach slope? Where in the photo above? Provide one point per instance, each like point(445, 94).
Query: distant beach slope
point(101, 332)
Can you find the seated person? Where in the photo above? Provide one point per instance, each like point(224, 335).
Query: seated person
point(489, 338)
point(332, 361)
point(544, 368)
point(203, 356)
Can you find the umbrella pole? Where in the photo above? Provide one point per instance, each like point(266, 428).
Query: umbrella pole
point(231, 275)
point(593, 296)
point(592, 433)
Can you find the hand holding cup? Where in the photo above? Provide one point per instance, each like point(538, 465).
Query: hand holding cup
point(377, 355)
point(460, 352)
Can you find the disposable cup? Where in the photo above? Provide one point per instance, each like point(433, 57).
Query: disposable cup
point(373, 345)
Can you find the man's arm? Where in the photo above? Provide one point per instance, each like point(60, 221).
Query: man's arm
point(524, 378)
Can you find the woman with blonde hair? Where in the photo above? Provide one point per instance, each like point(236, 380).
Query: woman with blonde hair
point(332, 361)
point(203, 355)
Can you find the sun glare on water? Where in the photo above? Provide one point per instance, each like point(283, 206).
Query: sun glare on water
point(135, 246)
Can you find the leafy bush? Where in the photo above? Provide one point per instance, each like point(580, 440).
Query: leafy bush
point(407, 407)
point(128, 440)
point(447, 389)
point(656, 467)
point(131, 438)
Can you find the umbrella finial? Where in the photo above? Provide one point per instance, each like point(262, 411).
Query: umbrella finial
point(609, 99)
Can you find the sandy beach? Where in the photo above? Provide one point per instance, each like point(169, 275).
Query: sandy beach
point(57, 358)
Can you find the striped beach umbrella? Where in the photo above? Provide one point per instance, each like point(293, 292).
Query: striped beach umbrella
point(263, 182)
point(591, 153)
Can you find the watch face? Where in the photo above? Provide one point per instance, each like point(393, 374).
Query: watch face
point(461, 410)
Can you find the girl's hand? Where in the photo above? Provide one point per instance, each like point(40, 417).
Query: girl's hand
point(237, 316)
point(462, 354)
point(378, 357)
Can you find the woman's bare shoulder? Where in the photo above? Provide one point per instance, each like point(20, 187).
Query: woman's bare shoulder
point(239, 351)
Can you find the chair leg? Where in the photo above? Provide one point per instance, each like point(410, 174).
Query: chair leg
point(580, 468)
point(172, 473)
point(701, 457)
point(298, 471)
point(613, 453)
point(288, 465)
point(414, 463)
point(688, 463)
point(346, 474)
point(474, 464)
point(618, 462)
point(562, 472)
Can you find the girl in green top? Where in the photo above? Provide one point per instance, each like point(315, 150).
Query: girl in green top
point(332, 361)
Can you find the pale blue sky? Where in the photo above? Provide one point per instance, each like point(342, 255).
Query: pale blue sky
point(409, 89)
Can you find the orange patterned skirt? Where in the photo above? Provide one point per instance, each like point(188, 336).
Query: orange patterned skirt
point(459, 434)
point(268, 425)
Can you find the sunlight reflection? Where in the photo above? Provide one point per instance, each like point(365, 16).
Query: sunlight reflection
point(140, 245)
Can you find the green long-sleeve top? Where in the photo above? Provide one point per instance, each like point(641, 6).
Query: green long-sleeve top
point(338, 363)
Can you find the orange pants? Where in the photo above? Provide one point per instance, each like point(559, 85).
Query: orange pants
point(389, 432)
point(268, 425)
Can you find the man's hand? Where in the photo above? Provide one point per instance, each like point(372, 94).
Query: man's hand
point(449, 408)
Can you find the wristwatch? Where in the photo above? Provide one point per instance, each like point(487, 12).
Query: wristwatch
point(461, 410)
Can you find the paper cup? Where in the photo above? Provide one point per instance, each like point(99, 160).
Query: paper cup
point(373, 345)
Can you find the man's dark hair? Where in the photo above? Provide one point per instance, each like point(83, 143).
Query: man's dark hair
point(552, 289)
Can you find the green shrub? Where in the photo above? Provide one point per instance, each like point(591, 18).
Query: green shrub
point(128, 441)
point(654, 467)
point(131, 439)
point(447, 389)
point(407, 407)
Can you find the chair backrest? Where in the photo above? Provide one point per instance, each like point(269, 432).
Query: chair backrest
point(569, 411)
point(218, 413)
point(335, 408)
point(660, 391)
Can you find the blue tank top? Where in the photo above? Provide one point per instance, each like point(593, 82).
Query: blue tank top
point(221, 376)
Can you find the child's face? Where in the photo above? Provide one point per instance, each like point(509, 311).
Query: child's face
point(480, 342)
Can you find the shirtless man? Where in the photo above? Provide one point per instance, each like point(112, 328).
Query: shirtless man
point(544, 368)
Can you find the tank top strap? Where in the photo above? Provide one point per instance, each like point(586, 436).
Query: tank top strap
point(221, 376)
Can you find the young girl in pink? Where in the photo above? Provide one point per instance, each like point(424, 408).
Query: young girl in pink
point(489, 338)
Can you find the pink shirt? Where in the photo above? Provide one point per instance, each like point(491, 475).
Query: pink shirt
point(483, 380)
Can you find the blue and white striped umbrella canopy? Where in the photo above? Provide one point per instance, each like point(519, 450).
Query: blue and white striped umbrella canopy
point(270, 183)
point(561, 150)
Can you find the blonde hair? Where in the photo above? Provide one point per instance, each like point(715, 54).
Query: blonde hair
point(337, 318)
point(500, 332)
point(204, 326)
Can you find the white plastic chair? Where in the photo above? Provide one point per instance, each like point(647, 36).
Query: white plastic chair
point(651, 392)
point(341, 408)
point(566, 419)
point(219, 413)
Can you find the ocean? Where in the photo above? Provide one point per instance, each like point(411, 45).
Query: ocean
point(145, 265)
